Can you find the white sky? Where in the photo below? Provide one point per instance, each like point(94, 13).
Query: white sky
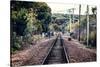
point(63, 8)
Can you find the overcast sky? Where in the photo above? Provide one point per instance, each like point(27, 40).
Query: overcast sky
point(63, 8)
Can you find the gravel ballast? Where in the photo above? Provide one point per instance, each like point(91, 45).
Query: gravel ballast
point(33, 55)
point(78, 53)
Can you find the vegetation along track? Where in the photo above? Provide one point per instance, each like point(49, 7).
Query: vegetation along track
point(57, 53)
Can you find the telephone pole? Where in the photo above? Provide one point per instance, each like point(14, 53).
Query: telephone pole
point(87, 16)
point(73, 14)
point(71, 17)
point(79, 19)
point(69, 11)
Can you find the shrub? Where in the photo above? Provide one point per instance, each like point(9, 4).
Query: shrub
point(92, 38)
point(16, 42)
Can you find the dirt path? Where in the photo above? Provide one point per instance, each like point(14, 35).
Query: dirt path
point(33, 55)
point(78, 52)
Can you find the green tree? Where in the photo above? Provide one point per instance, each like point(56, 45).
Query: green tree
point(28, 18)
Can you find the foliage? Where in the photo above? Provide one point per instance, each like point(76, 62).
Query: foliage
point(94, 9)
point(54, 27)
point(83, 30)
point(16, 42)
point(27, 19)
point(92, 38)
point(73, 26)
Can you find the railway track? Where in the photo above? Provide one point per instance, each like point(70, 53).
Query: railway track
point(57, 53)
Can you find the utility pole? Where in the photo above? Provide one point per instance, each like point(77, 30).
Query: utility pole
point(69, 10)
point(79, 19)
point(87, 16)
point(70, 17)
point(73, 13)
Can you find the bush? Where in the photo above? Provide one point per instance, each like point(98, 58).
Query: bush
point(92, 38)
point(27, 19)
point(16, 42)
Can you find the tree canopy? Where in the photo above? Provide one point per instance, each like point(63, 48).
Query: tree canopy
point(27, 19)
